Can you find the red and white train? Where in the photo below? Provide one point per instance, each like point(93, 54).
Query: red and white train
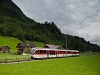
point(43, 53)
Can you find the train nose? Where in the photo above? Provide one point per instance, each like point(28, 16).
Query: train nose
point(31, 55)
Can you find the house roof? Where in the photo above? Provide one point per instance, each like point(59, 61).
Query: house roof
point(25, 44)
point(5, 47)
point(52, 46)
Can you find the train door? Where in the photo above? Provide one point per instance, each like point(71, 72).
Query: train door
point(47, 54)
point(56, 53)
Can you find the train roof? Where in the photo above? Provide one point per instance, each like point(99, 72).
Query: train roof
point(38, 48)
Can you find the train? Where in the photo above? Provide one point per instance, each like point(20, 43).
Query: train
point(45, 53)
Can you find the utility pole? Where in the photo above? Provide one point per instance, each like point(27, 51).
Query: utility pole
point(66, 41)
point(66, 44)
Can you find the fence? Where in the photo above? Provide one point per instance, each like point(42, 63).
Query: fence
point(14, 60)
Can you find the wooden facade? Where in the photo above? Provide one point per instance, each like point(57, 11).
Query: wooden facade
point(24, 46)
point(52, 46)
point(4, 49)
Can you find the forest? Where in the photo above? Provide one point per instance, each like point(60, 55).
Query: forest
point(14, 23)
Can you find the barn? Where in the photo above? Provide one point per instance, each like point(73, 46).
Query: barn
point(4, 49)
point(52, 46)
point(23, 47)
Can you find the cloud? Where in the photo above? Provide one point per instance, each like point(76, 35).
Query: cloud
point(75, 17)
point(96, 39)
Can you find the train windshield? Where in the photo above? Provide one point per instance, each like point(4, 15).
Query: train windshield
point(32, 50)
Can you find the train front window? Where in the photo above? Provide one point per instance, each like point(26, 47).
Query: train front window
point(36, 52)
point(32, 50)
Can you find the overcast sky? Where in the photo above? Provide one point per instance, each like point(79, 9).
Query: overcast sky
point(75, 17)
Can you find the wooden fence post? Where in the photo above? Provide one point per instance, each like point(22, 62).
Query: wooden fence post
point(28, 59)
point(25, 58)
point(18, 60)
point(5, 60)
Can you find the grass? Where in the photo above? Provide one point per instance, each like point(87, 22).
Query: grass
point(12, 42)
point(7, 55)
point(9, 41)
point(39, 44)
point(12, 57)
point(83, 65)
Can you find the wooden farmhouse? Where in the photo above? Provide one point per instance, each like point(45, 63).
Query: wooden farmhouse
point(4, 49)
point(22, 47)
point(52, 46)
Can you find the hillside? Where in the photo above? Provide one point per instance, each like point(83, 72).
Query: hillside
point(14, 23)
point(9, 41)
point(12, 42)
point(8, 8)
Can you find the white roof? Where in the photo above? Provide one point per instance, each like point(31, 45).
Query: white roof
point(52, 49)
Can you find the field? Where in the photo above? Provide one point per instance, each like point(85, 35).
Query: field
point(9, 41)
point(82, 65)
point(12, 57)
point(12, 42)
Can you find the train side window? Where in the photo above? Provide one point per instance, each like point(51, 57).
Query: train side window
point(68, 52)
point(61, 52)
point(41, 52)
point(48, 52)
point(44, 51)
point(51, 52)
point(38, 52)
point(58, 52)
point(54, 52)
point(64, 52)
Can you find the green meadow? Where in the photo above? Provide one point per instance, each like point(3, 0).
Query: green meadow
point(12, 42)
point(9, 41)
point(12, 57)
point(82, 65)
